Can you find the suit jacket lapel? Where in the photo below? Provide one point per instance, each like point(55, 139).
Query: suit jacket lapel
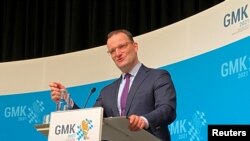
point(141, 75)
point(114, 97)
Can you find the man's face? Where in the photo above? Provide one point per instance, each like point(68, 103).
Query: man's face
point(122, 51)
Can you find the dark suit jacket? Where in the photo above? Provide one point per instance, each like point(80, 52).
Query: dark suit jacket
point(151, 95)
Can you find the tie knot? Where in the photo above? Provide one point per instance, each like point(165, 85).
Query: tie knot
point(127, 75)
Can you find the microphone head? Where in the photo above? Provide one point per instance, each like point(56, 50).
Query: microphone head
point(93, 90)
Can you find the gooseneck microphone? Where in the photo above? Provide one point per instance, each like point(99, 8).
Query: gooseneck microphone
point(91, 92)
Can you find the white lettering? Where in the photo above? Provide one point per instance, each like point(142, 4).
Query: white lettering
point(216, 132)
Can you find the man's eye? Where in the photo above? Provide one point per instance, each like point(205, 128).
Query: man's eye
point(121, 46)
point(112, 51)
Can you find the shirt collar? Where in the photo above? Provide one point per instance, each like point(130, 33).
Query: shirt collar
point(134, 71)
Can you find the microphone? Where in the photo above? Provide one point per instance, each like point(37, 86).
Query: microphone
point(91, 92)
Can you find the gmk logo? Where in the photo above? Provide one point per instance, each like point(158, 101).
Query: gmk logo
point(18, 111)
point(189, 129)
point(235, 66)
point(81, 132)
point(65, 129)
point(24, 112)
point(235, 16)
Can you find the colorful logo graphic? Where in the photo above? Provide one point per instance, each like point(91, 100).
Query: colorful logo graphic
point(84, 129)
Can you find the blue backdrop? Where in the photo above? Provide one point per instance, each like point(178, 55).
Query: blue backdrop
point(212, 88)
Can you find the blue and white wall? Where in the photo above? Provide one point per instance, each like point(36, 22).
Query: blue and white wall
point(208, 56)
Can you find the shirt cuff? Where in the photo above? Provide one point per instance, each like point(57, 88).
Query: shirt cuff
point(146, 121)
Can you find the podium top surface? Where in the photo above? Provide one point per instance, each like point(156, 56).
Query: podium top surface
point(116, 128)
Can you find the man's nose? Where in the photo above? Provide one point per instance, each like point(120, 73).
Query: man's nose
point(117, 51)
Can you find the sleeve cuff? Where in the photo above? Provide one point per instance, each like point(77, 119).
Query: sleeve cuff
point(146, 121)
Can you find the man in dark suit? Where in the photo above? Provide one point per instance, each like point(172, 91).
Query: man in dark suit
point(151, 100)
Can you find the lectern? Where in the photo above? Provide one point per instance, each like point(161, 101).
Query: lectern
point(112, 128)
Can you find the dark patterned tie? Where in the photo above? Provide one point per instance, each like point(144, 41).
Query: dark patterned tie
point(125, 94)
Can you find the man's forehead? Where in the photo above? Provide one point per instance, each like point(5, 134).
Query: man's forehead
point(117, 39)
